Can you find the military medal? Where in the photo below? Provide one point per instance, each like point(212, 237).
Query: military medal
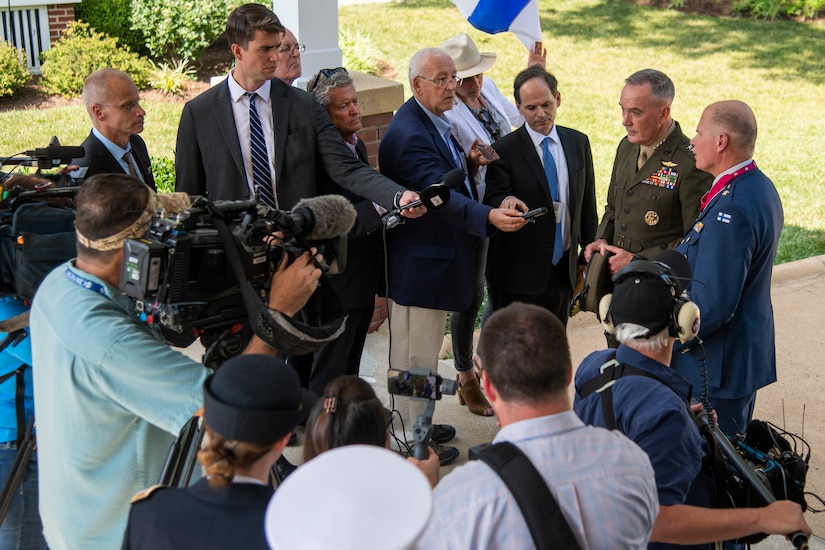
point(651, 218)
point(665, 177)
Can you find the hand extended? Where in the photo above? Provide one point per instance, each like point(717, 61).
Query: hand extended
point(293, 284)
point(506, 219)
point(514, 203)
point(537, 56)
point(406, 198)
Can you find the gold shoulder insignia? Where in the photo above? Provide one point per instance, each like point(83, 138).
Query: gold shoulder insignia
point(146, 493)
point(668, 164)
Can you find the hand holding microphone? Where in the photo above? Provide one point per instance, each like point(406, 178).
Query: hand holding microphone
point(435, 196)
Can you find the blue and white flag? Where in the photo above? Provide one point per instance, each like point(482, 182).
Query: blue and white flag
point(520, 17)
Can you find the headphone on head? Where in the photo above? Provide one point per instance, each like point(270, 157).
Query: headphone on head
point(684, 319)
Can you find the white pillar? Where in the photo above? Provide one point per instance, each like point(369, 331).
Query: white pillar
point(315, 24)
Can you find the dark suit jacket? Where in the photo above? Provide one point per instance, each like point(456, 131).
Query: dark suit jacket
point(520, 261)
point(731, 249)
point(199, 517)
point(99, 160)
point(208, 156)
point(364, 274)
point(431, 259)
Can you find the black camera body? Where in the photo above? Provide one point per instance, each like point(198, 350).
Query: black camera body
point(182, 279)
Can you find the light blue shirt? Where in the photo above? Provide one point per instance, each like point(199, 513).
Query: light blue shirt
point(109, 398)
point(561, 171)
point(444, 129)
point(602, 481)
point(10, 359)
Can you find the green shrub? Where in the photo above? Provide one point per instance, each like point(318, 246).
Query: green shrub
point(14, 74)
point(171, 79)
point(360, 53)
point(114, 18)
point(180, 29)
point(773, 9)
point(163, 170)
point(80, 52)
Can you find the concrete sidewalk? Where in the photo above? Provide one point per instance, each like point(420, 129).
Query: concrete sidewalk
point(793, 402)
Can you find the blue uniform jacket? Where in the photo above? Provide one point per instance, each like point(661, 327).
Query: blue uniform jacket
point(731, 249)
point(431, 259)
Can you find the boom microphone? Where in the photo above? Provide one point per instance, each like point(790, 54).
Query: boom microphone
point(58, 152)
point(324, 217)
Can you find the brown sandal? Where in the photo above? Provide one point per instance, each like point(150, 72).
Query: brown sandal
point(470, 394)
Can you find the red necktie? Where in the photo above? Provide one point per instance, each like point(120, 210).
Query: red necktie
point(723, 181)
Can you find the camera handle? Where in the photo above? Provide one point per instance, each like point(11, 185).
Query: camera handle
point(423, 431)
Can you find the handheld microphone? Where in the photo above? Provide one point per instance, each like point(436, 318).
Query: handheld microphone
point(324, 217)
point(433, 197)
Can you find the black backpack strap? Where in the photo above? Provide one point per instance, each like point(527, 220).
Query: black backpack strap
point(603, 385)
point(544, 518)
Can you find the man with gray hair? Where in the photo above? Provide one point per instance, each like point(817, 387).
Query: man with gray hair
point(361, 280)
point(655, 186)
point(634, 390)
point(432, 260)
point(114, 146)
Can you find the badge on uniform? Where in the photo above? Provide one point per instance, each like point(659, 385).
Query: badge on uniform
point(651, 218)
point(698, 227)
point(723, 217)
point(665, 176)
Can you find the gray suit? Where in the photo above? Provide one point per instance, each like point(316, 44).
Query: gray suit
point(208, 158)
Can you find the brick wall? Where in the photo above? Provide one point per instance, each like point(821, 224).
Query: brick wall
point(59, 16)
point(372, 130)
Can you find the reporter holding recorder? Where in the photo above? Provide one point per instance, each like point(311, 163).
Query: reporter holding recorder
point(111, 396)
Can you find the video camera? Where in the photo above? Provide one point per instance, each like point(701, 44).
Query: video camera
point(421, 384)
point(184, 281)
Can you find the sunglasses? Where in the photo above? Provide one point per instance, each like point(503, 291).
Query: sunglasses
point(325, 74)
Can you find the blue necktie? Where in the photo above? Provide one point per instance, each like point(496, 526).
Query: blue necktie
point(261, 173)
point(553, 183)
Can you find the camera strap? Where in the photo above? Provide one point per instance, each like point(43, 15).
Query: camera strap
point(282, 332)
point(544, 517)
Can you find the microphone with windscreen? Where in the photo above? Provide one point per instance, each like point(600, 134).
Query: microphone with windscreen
point(433, 197)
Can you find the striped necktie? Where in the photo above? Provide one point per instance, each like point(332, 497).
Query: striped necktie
point(553, 183)
point(261, 173)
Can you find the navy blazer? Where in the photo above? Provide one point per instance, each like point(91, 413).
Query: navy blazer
point(520, 261)
point(208, 156)
point(98, 159)
point(731, 249)
point(431, 259)
point(199, 517)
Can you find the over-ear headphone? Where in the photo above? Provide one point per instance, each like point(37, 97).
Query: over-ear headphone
point(683, 322)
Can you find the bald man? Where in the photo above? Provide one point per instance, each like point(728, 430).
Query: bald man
point(731, 249)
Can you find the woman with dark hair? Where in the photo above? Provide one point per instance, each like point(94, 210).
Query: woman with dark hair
point(350, 413)
point(251, 405)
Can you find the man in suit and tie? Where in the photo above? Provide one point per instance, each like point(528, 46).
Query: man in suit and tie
point(541, 165)
point(113, 145)
point(253, 136)
point(731, 249)
point(432, 259)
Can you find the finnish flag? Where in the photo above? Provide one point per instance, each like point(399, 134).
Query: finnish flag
point(723, 217)
point(520, 17)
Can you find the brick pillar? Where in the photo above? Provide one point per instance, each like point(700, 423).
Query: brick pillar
point(379, 314)
point(59, 17)
point(372, 130)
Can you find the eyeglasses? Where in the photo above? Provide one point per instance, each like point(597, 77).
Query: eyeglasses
point(288, 48)
point(128, 107)
point(324, 74)
point(442, 82)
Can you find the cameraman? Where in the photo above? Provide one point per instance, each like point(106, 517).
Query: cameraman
point(655, 413)
point(111, 397)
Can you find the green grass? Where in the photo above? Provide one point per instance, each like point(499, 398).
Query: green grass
point(776, 67)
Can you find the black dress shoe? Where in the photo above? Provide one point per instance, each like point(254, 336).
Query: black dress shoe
point(442, 433)
point(283, 468)
point(446, 455)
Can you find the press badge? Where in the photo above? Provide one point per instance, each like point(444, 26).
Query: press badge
point(557, 211)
